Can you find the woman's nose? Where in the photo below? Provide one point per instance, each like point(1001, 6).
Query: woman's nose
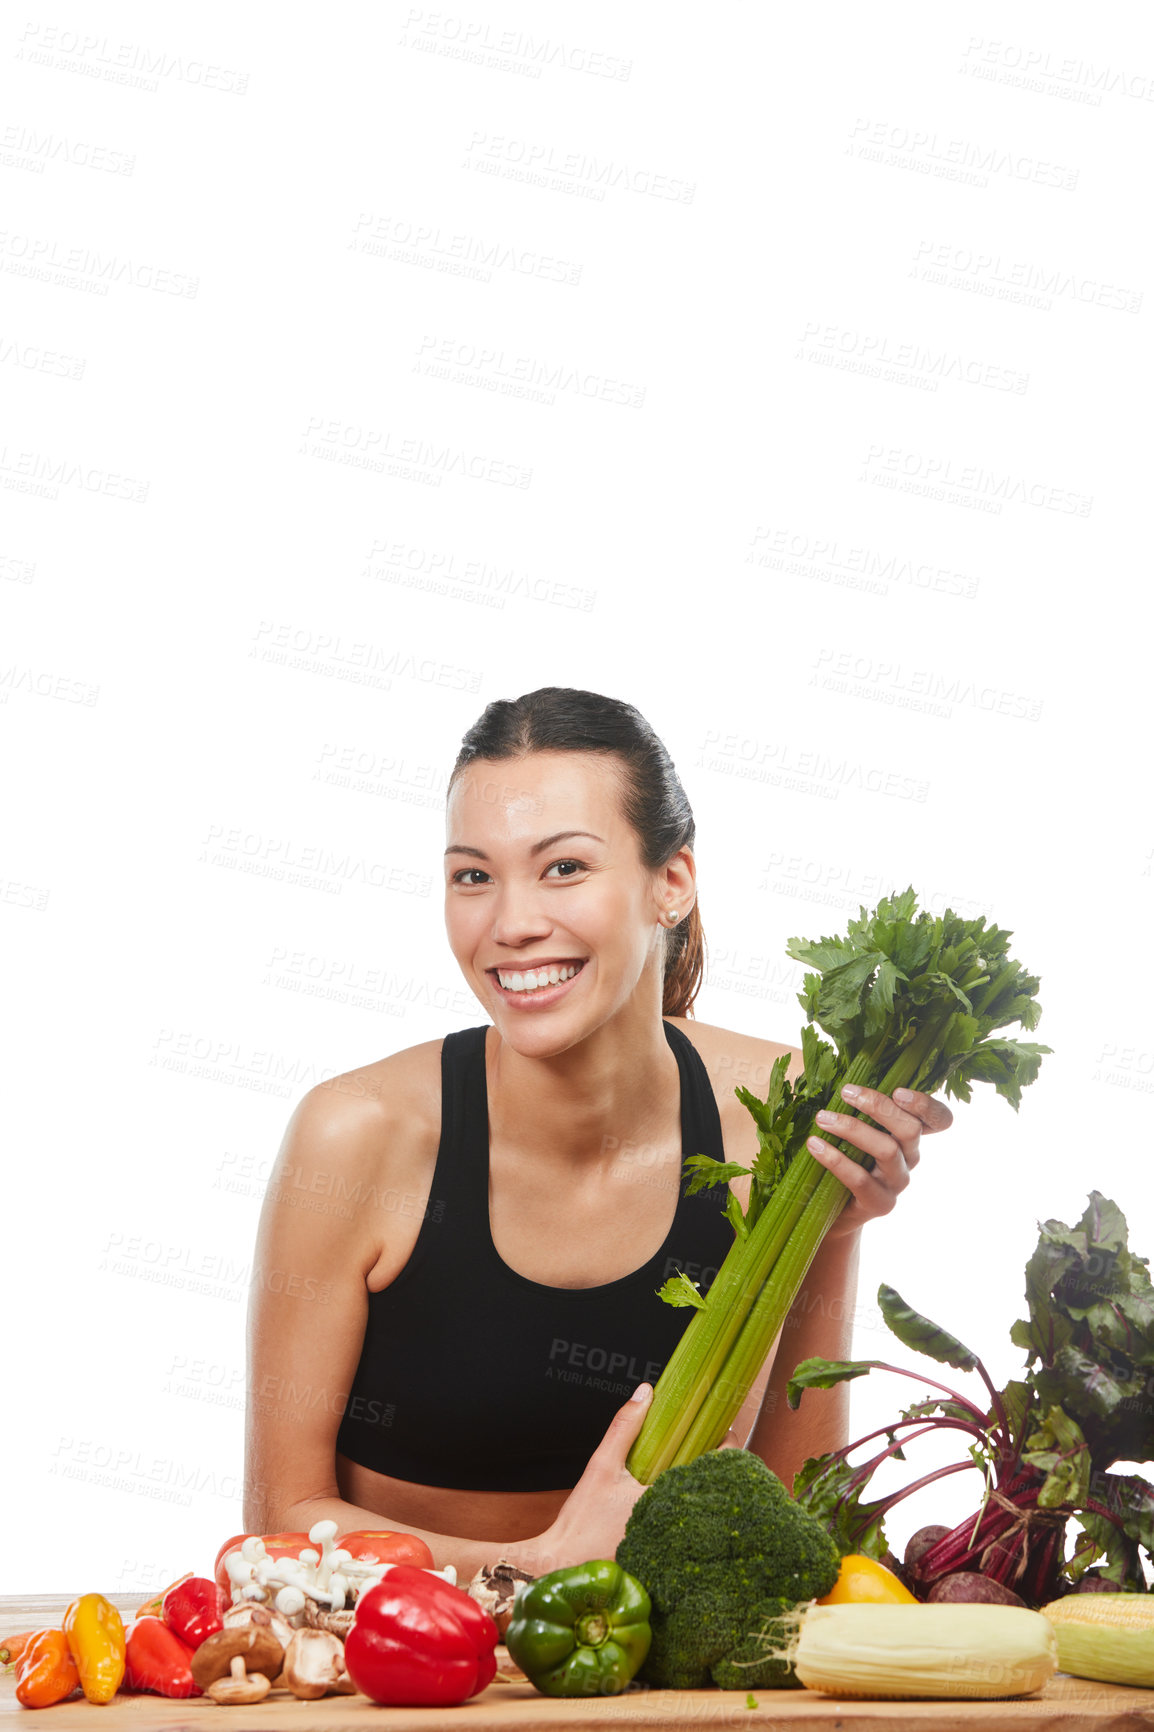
point(518, 916)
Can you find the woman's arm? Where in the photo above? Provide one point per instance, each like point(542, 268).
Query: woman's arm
point(309, 1306)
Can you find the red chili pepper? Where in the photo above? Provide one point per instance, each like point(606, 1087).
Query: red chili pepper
point(157, 1660)
point(192, 1609)
point(417, 1642)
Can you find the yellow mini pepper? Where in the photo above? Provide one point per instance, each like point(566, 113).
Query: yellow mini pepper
point(95, 1635)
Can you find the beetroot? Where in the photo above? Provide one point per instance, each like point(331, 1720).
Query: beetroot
point(967, 1587)
point(919, 1543)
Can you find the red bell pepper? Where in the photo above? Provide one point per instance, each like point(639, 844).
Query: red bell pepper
point(383, 1546)
point(157, 1660)
point(192, 1609)
point(417, 1642)
point(275, 1545)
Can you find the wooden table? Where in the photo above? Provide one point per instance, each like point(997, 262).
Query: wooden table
point(1066, 1705)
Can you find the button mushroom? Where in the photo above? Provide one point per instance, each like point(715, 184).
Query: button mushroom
point(314, 1665)
point(238, 1664)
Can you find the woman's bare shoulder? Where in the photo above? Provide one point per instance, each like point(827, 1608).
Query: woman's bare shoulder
point(735, 1060)
point(398, 1097)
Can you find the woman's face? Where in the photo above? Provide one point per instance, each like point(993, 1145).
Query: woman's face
point(544, 872)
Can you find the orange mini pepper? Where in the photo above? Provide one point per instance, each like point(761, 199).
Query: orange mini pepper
point(45, 1671)
point(96, 1639)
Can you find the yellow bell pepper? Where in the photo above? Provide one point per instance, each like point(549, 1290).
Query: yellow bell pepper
point(96, 1641)
point(863, 1580)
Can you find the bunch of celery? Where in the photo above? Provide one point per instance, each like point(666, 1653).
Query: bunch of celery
point(910, 1000)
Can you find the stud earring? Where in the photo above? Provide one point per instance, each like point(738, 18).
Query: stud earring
point(674, 918)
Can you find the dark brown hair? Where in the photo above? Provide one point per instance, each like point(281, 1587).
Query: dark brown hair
point(559, 719)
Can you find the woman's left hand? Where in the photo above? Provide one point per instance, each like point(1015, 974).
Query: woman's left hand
point(893, 1141)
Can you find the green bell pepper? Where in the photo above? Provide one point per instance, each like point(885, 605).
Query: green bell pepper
point(582, 1631)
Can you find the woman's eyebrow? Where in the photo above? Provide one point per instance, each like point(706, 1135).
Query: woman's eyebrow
point(537, 848)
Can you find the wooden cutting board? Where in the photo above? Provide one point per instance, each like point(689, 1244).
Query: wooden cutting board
point(1066, 1705)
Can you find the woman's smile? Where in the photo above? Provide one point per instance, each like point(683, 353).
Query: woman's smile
point(535, 987)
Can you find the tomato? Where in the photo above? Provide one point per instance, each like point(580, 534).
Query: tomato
point(863, 1581)
point(275, 1545)
point(382, 1546)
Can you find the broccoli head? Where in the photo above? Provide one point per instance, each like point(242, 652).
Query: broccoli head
point(726, 1555)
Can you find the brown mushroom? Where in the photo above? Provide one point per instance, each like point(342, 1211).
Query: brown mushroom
point(237, 1664)
point(314, 1665)
point(495, 1588)
point(265, 1617)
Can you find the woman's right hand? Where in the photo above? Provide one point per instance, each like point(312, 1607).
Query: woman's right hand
point(591, 1522)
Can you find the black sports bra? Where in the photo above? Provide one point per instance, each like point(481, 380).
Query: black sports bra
point(474, 1377)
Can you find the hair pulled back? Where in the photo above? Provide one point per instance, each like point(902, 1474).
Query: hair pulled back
point(561, 719)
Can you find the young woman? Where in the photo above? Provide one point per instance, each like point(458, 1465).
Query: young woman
point(468, 1351)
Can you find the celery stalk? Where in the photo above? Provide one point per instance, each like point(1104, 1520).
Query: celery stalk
point(942, 985)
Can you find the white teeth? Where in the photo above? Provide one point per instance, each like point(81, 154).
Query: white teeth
point(535, 978)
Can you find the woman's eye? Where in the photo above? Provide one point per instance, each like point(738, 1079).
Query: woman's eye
point(573, 866)
point(469, 875)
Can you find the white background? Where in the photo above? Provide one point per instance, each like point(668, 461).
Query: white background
point(784, 374)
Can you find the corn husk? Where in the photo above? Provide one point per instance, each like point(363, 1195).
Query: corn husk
point(1108, 1637)
point(928, 1651)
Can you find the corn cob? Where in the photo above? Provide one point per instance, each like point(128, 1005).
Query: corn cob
point(1108, 1637)
point(935, 1651)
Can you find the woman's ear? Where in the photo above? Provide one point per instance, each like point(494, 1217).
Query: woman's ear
point(675, 887)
